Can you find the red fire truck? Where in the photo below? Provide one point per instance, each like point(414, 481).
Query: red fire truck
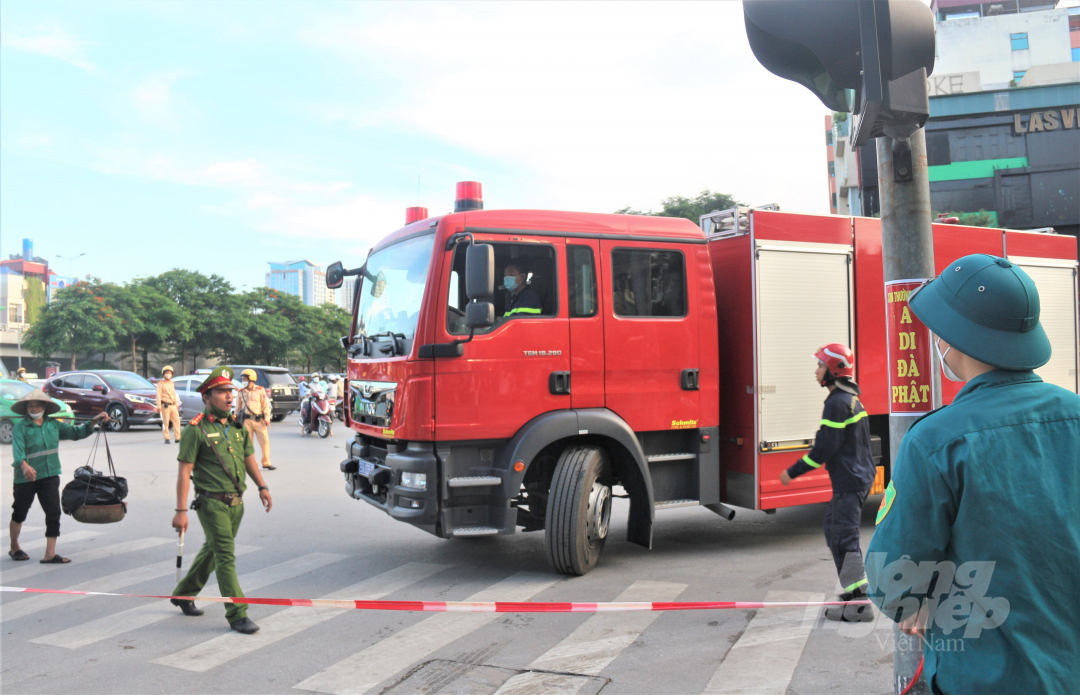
point(660, 358)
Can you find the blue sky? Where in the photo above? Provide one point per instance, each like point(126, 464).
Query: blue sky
point(218, 136)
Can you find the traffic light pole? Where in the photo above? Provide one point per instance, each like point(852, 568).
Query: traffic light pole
point(907, 244)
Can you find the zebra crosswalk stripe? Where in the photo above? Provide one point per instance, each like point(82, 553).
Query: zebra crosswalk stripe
point(11, 576)
point(111, 582)
point(600, 639)
point(135, 618)
point(364, 670)
point(763, 660)
point(224, 648)
point(540, 683)
point(25, 529)
point(65, 539)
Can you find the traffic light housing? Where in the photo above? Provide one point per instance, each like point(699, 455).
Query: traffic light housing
point(870, 57)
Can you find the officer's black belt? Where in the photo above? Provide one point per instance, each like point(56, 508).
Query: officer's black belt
point(226, 497)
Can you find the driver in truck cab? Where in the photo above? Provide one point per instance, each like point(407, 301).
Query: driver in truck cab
point(522, 300)
point(842, 445)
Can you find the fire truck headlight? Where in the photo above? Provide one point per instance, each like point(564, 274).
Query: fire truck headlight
point(416, 481)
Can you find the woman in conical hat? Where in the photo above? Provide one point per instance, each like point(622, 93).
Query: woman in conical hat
point(34, 446)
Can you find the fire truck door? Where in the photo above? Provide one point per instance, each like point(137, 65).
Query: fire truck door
point(804, 302)
point(505, 377)
point(650, 334)
point(1056, 281)
point(583, 299)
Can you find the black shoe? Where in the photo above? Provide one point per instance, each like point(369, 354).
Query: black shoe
point(187, 606)
point(850, 614)
point(167, 442)
point(269, 468)
point(245, 626)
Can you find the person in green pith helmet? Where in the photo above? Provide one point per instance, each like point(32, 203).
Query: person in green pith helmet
point(215, 454)
point(986, 490)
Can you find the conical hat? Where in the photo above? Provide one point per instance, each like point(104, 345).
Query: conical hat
point(51, 406)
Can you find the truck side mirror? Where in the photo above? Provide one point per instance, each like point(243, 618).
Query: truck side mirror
point(479, 314)
point(335, 275)
point(479, 271)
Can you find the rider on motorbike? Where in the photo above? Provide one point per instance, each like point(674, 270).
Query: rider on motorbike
point(318, 406)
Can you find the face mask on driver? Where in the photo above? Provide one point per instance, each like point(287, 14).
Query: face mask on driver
point(510, 282)
point(36, 416)
point(945, 368)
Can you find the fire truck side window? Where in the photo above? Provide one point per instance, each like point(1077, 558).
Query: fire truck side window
point(648, 283)
point(581, 281)
point(535, 261)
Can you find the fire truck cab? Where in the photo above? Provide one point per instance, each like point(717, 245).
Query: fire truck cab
point(650, 355)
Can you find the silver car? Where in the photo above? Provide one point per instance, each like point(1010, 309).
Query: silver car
point(192, 399)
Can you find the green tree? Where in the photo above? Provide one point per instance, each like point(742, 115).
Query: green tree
point(982, 218)
point(147, 319)
point(207, 303)
point(79, 319)
point(328, 323)
point(689, 208)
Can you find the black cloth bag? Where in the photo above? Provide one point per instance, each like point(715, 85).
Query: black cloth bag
point(93, 497)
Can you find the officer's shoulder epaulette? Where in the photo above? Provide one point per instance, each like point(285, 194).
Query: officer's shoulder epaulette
point(196, 420)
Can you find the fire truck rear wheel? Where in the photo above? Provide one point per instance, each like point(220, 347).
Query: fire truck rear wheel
point(578, 509)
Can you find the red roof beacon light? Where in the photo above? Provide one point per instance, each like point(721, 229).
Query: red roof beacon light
point(469, 196)
point(415, 215)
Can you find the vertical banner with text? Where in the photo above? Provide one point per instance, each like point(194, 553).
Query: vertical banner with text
point(911, 383)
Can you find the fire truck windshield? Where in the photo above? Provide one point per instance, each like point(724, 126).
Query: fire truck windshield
point(393, 288)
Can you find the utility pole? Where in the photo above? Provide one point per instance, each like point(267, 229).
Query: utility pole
point(871, 58)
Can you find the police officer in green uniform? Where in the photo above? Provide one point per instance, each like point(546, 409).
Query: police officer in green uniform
point(215, 453)
point(979, 531)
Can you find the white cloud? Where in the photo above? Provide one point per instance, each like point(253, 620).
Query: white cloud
point(602, 104)
point(48, 41)
point(156, 100)
point(243, 172)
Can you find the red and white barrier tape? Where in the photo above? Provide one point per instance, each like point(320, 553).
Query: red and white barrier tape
point(471, 606)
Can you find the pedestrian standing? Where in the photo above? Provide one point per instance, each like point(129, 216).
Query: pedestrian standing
point(215, 454)
point(167, 404)
point(842, 445)
point(34, 446)
point(254, 410)
point(987, 488)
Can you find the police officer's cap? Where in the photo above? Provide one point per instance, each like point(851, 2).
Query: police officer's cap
point(987, 308)
point(221, 376)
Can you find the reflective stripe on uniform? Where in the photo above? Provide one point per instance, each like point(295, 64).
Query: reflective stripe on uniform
point(810, 462)
point(42, 453)
point(845, 423)
point(852, 587)
point(523, 310)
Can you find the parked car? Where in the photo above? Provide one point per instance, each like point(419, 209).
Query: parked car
point(190, 399)
point(12, 390)
point(283, 390)
point(127, 397)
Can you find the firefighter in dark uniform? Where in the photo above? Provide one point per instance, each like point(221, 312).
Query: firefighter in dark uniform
point(217, 455)
point(523, 300)
point(842, 445)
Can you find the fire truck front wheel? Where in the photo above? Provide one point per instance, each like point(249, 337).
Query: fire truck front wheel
point(578, 509)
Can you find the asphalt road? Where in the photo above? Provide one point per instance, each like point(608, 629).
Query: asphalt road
point(317, 543)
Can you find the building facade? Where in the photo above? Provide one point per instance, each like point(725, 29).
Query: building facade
point(347, 294)
point(1003, 137)
point(302, 279)
point(843, 162)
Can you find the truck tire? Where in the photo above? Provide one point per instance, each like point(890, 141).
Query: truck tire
point(578, 510)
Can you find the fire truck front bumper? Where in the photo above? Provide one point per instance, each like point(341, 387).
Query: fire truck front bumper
point(402, 479)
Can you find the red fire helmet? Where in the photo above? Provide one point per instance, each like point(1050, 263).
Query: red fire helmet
point(838, 359)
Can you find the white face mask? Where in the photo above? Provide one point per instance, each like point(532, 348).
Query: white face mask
point(945, 368)
point(37, 416)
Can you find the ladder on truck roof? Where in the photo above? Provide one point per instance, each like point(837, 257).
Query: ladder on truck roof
point(730, 222)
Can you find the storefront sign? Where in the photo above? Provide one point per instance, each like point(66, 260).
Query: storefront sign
point(1039, 121)
point(911, 382)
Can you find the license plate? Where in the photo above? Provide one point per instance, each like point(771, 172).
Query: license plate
point(365, 468)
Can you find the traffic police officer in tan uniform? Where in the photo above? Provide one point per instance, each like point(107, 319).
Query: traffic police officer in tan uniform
point(166, 404)
point(253, 408)
point(215, 454)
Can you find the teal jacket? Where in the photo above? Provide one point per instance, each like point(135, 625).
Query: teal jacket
point(39, 445)
point(983, 516)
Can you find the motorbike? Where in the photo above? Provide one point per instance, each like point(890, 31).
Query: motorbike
point(322, 412)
